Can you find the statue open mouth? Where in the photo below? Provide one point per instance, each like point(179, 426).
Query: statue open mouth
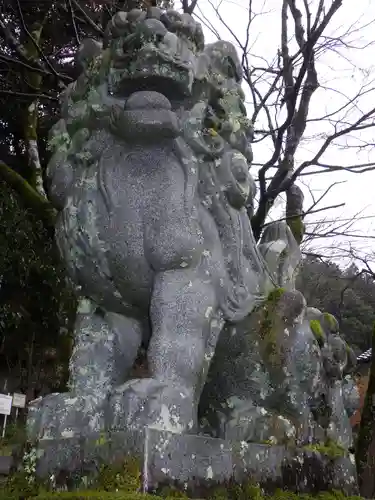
point(151, 77)
point(162, 64)
point(164, 85)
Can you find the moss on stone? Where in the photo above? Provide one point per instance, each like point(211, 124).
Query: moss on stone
point(331, 322)
point(102, 439)
point(297, 227)
point(268, 326)
point(275, 295)
point(318, 332)
point(267, 442)
point(330, 448)
point(348, 349)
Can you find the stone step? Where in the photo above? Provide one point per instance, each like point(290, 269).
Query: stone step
point(6, 463)
point(193, 460)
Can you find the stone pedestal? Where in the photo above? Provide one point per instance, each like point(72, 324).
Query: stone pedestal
point(195, 463)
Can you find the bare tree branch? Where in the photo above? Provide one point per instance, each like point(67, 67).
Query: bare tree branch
point(87, 18)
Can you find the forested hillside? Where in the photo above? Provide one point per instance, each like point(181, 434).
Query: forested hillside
point(348, 294)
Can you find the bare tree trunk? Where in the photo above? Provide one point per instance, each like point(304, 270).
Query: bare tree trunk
point(30, 369)
point(33, 81)
point(38, 203)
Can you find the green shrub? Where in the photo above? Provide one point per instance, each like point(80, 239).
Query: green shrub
point(286, 495)
point(249, 492)
point(172, 492)
point(125, 476)
point(95, 495)
point(219, 493)
point(19, 484)
point(15, 437)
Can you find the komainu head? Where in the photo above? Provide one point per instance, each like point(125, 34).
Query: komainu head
point(154, 51)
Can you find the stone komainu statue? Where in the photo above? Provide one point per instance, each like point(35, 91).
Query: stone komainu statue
point(150, 173)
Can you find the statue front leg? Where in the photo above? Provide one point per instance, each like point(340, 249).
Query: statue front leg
point(99, 362)
point(184, 330)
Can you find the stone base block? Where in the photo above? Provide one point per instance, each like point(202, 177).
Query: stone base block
point(195, 463)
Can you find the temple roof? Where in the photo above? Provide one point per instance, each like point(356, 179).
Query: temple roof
point(365, 357)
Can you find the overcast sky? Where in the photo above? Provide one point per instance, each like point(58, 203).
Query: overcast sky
point(341, 73)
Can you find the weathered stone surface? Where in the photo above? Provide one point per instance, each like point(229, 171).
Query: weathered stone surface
point(150, 174)
point(71, 455)
point(6, 464)
point(150, 171)
point(187, 459)
point(254, 390)
point(193, 462)
point(274, 379)
point(282, 254)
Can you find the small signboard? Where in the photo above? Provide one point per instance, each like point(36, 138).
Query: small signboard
point(5, 404)
point(19, 400)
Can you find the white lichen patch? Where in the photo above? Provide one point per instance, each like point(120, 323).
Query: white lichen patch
point(67, 433)
point(208, 312)
point(208, 357)
point(168, 422)
point(71, 401)
point(209, 472)
point(85, 306)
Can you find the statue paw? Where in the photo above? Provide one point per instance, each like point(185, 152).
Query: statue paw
point(64, 415)
point(251, 423)
point(151, 403)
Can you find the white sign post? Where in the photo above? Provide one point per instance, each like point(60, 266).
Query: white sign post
point(5, 408)
point(19, 401)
